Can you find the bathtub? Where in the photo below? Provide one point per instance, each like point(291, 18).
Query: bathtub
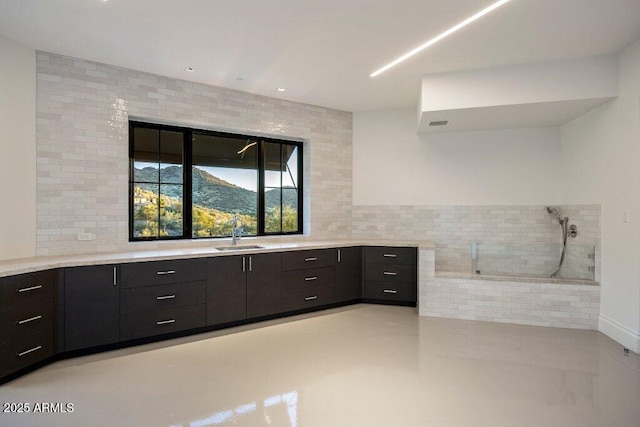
point(509, 297)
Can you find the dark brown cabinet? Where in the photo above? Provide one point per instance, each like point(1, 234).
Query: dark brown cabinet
point(391, 274)
point(226, 289)
point(162, 297)
point(80, 308)
point(314, 258)
point(91, 306)
point(264, 284)
point(25, 351)
point(307, 297)
point(22, 320)
point(390, 255)
point(308, 279)
point(27, 320)
point(159, 322)
point(162, 272)
point(348, 274)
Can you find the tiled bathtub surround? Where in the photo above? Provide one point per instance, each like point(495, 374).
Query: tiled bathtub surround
point(82, 148)
point(543, 304)
point(453, 229)
point(533, 260)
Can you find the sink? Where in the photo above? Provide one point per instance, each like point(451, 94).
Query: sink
point(239, 247)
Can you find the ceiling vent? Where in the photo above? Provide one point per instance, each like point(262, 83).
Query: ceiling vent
point(439, 123)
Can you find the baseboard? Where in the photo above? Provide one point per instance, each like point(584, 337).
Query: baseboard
point(619, 333)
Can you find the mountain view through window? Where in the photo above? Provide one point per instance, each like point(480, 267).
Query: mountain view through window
point(228, 175)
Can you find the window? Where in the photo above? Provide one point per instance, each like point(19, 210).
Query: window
point(188, 183)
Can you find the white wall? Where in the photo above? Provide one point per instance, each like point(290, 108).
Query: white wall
point(17, 150)
point(601, 164)
point(392, 165)
point(574, 79)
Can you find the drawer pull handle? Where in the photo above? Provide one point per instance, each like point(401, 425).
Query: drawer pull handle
point(164, 273)
point(390, 291)
point(31, 319)
point(390, 255)
point(311, 298)
point(32, 288)
point(166, 297)
point(165, 322)
point(24, 353)
point(310, 259)
point(390, 273)
point(308, 279)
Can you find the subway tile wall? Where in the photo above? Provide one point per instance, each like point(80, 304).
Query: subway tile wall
point(82, 148)
point(528, 234)
point(542, 304)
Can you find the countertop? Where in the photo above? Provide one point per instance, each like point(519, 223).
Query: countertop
point(28, 265)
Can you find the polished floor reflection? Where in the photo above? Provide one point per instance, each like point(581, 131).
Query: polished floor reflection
point(363, 365)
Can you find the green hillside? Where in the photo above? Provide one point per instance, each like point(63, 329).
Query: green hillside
point(215, 201)
point(212, 192)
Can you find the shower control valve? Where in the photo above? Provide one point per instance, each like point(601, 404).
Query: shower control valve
point(573, 230)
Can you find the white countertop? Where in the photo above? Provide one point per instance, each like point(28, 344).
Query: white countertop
point(28, 265)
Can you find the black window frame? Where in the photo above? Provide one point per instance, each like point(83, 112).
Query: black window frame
point(187, 164)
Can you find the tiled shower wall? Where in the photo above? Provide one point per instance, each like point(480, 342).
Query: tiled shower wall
point(518, 230)
point(82, 147)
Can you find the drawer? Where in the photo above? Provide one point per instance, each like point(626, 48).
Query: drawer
point(307, 297)
point(316, 258)
point(160, 297)
point(163, 272)
point(25, 351)
point(390, 255)
point(140, 325)
point(390, 273)
point(26, 320)
point(313, 276)
point(26, 288)
point(405, 292)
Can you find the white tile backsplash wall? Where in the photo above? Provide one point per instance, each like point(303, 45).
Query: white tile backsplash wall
point(82, 147)
point(454, 228)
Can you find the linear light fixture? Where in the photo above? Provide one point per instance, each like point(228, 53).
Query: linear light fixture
point(246, 147)
point(439, 37)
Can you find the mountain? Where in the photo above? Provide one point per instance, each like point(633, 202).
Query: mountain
point(212, 192)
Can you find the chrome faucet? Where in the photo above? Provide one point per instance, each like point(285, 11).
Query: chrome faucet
point(236, 231)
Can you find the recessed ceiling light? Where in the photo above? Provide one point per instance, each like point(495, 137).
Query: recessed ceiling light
point(189, 69)
point(281, 89)
point(439, 37)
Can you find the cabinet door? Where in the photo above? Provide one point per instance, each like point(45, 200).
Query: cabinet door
point(315, 258)
point(264, 284)
point(349, 274)
point(91, 307)
point(226, 289)
point(390, 255)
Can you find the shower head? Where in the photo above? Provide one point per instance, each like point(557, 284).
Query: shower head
point(554, 211)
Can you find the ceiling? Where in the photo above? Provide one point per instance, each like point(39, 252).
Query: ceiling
point(322, 52)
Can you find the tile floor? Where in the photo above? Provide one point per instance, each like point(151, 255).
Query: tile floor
point(363, 365)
